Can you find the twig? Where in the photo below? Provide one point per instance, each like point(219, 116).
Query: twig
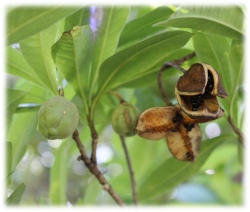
point(237, 131)
point(117, 95)
point(133, 185)
point(95, 171)
point(167, 65)
point(94, 136)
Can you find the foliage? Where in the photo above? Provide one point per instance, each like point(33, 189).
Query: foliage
point(91, 50)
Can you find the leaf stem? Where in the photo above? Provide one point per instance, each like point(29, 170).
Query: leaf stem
point(94, 170)
point(133, 184)
point(237, 131)
point(167, 65)
point(117, 95)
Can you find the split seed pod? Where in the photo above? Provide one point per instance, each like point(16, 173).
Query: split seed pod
point(197, 89)
point(154, 123)
point(184, 143)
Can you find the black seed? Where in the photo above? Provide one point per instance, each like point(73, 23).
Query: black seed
point(199, 96)
point(186, 125)
point(177, 118)
point(205, 95)
point(192, 125)
point(195, 109)
point(189, 129)
point(197, 104)
point(210, 87)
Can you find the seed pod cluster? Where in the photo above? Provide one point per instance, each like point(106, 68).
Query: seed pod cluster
point(196, 93)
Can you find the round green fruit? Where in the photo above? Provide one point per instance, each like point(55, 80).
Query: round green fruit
point(57, 118)
point(124, 119)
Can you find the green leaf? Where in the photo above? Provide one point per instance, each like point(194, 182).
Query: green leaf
point(150, 76)
point(20, 133)
point(106, 35)
point(6, 160)
point(14, 97)
point(172, 171)
point(141, 27)
point(36, 50)
point(72, 55)
point(31, 98)
point(18, 66)
point(236, 62)
point(23, 22)
point(137, 59)
point(58, 176)
point(80, 18)
point(16, 197)
point(7, 177)
point(214, 50)
point(225, 21)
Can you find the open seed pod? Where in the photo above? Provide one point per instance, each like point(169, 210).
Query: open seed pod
point(154, 123)
point(185, 142)
point(197, 89)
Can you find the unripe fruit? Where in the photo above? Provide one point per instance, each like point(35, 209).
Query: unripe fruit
point(124, 119)
point(57, 118)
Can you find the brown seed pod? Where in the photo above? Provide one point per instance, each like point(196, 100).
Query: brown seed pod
point(184, 144)
point(196, 92)
point(154, 123)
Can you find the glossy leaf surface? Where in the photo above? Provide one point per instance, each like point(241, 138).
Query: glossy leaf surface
point(20, 133)
point(23, 22)
point(36, 50)
point(136, 59)
point(16, 197)
point(18, 66)
point(106, 30)
point(216, 20)
point(14, 97)
point(141, 27)
point(72, 56)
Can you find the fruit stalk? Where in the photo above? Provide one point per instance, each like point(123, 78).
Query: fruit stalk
point(94, 170)
point(169, 65)
point(131, 173)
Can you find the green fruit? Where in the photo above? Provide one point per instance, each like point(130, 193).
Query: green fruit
point(57, 118)
point(124, 119)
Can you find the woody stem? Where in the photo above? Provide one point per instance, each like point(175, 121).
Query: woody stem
point(167, 65)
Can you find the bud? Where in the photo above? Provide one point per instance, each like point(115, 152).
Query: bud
point(57, 118)
point(124, 119)
point(196, 92)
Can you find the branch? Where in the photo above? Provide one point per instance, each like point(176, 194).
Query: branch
point(237, 131)
point(133, 185)
point(94, 136)
point(94, 170)
point(167, 65)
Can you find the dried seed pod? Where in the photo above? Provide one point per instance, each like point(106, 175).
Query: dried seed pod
point(124, 119)
point(57, 118)
point(196, 92)
point(154, 123)
point(184, 144)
